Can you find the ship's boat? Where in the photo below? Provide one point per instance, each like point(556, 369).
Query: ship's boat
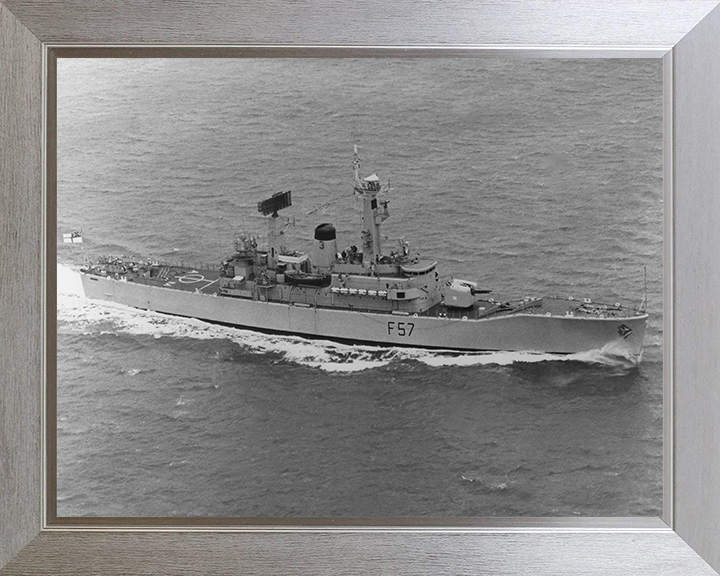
point(308, 279)
point(362, 293)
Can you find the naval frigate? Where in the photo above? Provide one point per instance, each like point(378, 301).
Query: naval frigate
point(362, 294)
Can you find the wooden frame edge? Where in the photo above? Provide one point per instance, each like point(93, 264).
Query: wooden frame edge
point(20, 229)
point(48, 546)
point(696, 313)
point(85, 553)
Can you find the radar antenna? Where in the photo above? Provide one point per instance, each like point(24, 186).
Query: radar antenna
point(276, 202)
point(371, 183)
point(270, 207)
point(643, 304)
point(356, 165)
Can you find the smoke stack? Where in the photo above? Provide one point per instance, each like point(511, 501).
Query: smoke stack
point(325, 253)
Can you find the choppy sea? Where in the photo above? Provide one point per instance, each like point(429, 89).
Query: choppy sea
point(530, 176)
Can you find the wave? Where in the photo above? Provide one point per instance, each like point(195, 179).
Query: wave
point(79, 315)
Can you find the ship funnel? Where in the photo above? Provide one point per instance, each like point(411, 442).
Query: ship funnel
point(325, 250)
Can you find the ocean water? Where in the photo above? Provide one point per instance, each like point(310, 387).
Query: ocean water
point(530, 176)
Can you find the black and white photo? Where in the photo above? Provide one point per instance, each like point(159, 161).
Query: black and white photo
point(359, 288)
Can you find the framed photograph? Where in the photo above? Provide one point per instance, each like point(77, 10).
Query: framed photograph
point(428, 305)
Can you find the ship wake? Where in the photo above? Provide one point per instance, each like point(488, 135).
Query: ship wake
point(78, 315)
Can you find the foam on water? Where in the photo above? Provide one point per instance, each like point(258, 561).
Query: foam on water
point(68, 282)
point(79, 315)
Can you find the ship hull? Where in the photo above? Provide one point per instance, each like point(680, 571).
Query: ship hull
point(516, 332)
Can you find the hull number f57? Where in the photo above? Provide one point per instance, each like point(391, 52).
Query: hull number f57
point(401, 328)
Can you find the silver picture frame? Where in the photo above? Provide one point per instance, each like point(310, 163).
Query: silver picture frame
point(684, 33)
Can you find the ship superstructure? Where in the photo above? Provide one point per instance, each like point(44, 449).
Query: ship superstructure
point(361, 293)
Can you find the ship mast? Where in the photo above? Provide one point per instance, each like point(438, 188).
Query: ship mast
point(368, 189)
point(270, 208)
